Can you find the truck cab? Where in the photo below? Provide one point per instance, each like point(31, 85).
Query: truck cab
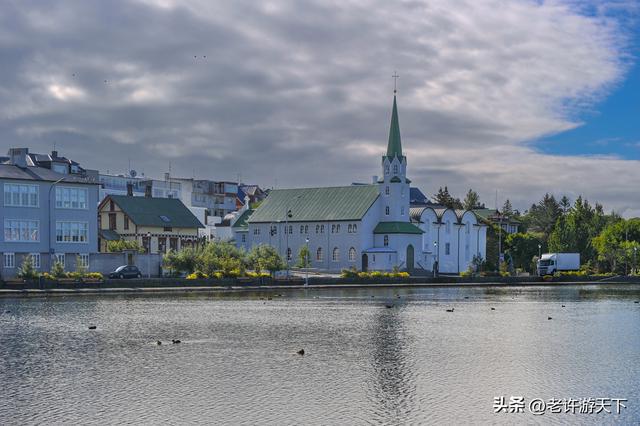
point(546, 265)
point(549, 263)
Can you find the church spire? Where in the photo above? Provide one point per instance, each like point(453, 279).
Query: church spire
point(394, 149)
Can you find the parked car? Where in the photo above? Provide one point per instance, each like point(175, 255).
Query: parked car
point(126, 271)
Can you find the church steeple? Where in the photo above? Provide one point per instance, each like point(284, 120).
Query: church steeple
point(394, 148)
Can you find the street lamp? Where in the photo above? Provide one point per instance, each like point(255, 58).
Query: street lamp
point(436, 258)
point(306, 263)
point(539, 251)
point(148, 254)
point(51, 208)
point(286, 233)
point(635, 253)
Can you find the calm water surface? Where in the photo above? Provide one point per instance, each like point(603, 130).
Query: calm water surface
point(364, 363)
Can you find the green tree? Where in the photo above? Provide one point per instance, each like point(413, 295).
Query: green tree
point(614, 245)
point(507, 208)
point(57, 270)
point(184, 260)
point(121, 245)
point(542, 217)
point(472, 201)
point(264, 257)
point(27, 270)
point(565, 204)
point(522, 247)
point(304, 257)
point(220, 256)
point(444, 198)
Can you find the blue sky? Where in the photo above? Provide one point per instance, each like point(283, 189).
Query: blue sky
point(611, 127)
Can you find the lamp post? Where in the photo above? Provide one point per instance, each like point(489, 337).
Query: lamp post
point(306, 263)
point(287, 216)
point(635, 253)
point(436, 258)
point(148, 254)
point(51, 208)
point(539, 251)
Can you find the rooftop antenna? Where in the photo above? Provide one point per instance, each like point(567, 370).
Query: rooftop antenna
point(395, 77)
point(496, 200)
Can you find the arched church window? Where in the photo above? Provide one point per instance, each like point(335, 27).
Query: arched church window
point(306, 229)
point(336, 254)
point(386, 210)
point(386, 190)
point(350, 228)
point(317, 228)
point(337, 228)
point(386, 169)
point(355, 228)
point(301, 229)
point(319, 254)
point(352, 254)
point(386, 240)
point(395, 169)
point(322, 229)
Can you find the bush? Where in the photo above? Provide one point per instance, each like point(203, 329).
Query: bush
point(466, 274)
point(400, 274)
point(582, 273)
point(94, 276)
point(197, 276)
point(57, 270)
point(349, 273)
point(121, 245)
point(253, 274)
point(27, 271)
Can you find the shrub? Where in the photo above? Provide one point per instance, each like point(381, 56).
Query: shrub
point(376, 274)
point(466, 274)
point(57, 270)
point(121, 245)
point(94, 276)
point(349, 273)
point(581, 273)
point(27, 271)
point(253, 274)
point(400, 274)
point(197, 275)
point(363, 275)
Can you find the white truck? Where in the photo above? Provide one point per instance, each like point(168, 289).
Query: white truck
point(553, 262)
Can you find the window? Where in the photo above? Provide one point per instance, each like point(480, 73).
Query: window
point(306, 229)
point(349, 229)
point(288, 253)
point(386, 190)
point(274, 230)
point(301, 229)
point(447, 249)
point(352, 254)
point(71, 198)
point(386, 210)
point(386, 241)
point(162, 244)
point(126, 222)
point(59, 258)
point(244, 237)
point(35, 259)
point(317, 228)
point(167, 229)
point(20, 195)
point(72, 232)
point(112, 221)
point(333, 229)
point(18, 230)
point(9, 260)
point(395, 169)
point(355, 228)
point(337, 228)
point(290, 229)
point(335, 256)
point(319, 254)
point(401, 210)
point(386, 169)
point(322, 229)
point(83, 260)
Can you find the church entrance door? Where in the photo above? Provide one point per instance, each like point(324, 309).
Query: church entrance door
point(365, 262)
point(410, 258)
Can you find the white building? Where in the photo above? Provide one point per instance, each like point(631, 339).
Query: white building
point(369, 227)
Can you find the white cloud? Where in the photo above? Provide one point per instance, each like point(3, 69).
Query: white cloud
point(301, 92)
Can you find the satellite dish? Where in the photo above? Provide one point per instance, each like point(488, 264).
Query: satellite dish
point(133, 173)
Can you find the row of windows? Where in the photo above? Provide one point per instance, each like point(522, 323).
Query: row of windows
point(387, 191)
point(395, 169)
point(20, 195)
point(387, 210)
point(304, 229)
point(26, 195)
point(17, 230)
point(335, 254)
point(9, 260)
point(72, 232)
point(71, 198)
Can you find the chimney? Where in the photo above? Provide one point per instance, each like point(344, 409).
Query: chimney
point(374, 179)
point(167, 176)
point(54, 154)
point(19, 156)
point(129, 189)
point(147, 190)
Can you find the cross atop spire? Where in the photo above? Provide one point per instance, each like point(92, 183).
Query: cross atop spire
point(395, 77)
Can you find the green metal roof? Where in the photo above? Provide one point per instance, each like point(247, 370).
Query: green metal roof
point(394, 148)
point(316, 204)
point(396, 228)
point(144, 211)
point(109, 235)
point(242, 220)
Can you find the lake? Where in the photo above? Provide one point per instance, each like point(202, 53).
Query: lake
point(364, 363)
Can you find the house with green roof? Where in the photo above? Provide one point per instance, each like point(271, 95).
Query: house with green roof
point(158, 224)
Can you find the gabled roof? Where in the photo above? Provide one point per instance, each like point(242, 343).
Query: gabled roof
point(11, 171)
point(242, 220)
point(316, 204)
point(397, 228)
point(158, 212)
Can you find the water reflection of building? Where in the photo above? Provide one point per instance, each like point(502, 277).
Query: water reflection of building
point(393, 389)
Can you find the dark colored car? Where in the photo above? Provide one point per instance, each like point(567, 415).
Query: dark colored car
point(126, 271)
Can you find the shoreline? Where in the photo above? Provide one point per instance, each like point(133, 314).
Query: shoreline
point(178, 290)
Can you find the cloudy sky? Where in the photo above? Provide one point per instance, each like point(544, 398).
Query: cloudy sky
point(522, 97)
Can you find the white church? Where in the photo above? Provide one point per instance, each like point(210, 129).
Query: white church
point(369, 227)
